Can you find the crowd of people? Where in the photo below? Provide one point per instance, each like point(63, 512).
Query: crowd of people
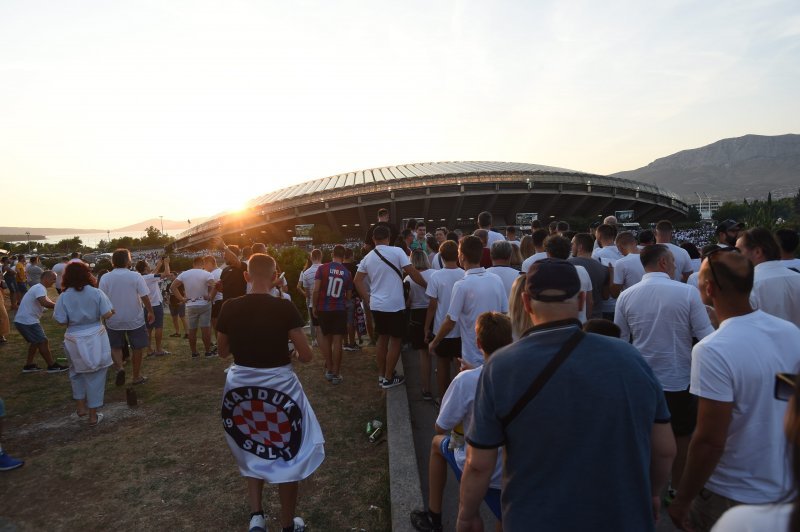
point(654, 365)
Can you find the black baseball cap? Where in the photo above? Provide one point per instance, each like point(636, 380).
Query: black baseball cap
point(727, 225)
point(557, 277)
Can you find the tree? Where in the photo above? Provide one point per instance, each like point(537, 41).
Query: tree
point(694, 214)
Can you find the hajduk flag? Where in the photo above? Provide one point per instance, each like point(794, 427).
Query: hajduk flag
point(269, 424)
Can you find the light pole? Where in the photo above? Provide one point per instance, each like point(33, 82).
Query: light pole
point(28, 234)
point(162, 224)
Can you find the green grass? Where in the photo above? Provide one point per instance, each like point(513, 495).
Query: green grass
point(165, 463)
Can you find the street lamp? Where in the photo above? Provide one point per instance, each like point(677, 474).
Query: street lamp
point(28, 234)
point(162, 224)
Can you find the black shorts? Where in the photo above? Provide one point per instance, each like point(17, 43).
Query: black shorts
point(449, 348)
point(216, 306)
point(683, 408)
point(416, 328)
point(332, 321)
point(390, 323)
point(314, 321)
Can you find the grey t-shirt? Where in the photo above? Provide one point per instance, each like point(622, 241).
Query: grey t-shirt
point(599, 276)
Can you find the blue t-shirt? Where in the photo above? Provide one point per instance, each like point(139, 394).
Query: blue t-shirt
point(335, 282)
point(82, 310)
point(578, 455)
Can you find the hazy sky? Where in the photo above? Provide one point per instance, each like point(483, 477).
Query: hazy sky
point(112, 112)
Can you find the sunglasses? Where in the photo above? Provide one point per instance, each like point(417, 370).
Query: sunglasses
point(784, 385)
point(711, 262)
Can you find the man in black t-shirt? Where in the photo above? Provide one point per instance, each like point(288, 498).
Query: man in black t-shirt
point(231, 283)
point(383, 219)
point(270, 427)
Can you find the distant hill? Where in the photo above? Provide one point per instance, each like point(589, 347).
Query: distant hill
point(169, 225)
point(743, 167)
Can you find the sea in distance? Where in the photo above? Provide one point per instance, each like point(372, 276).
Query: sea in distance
point(93, 239)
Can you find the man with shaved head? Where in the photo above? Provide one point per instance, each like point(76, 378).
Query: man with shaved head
point(737, 454)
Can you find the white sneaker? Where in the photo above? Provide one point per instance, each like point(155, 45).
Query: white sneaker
point(299, 525)
point(258, 523)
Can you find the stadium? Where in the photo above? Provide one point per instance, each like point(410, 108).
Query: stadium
point(447, 194)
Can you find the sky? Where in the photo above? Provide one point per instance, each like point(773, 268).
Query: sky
point(113, 112)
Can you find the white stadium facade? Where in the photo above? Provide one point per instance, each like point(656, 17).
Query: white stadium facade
point(449, 194)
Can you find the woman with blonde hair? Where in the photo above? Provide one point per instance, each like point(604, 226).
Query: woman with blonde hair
point(520, 319)
point(526, 247)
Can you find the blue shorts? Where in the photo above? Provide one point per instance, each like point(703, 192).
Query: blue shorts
point(177, 310)
point(158, 323)
point(492, 497)
point(137, 338)
point(33, 334)
point(22, 287)
point(12, 286)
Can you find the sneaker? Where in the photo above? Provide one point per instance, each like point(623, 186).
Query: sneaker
point(8, 463)
point(670, 496)
point(348, 347)
point(421, 520)
point(314, 343)
point(140, 380)
point(57, 368)
point(195, 355)
point(397, 380)
point(210, 354)
point(329, 375)
point(427, 396)
point(258, 523)
point(31, 368)
point(336, 379)
point(299, 525)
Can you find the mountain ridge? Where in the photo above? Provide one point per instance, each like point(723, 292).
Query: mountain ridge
point(750, 166)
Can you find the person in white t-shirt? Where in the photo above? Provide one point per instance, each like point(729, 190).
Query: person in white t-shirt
point(538, 237)
point(776, 288)
point(417, 303)
point(128, 294)
point(383, 267)
point(501, 264)
point(58, 269)
point(441, 237)
point(27, 323)
point(200, 288)
point(558, 247)
point(153, 282)
point(210, 265)
point(789, 241)
point(305, 284)
point(492, 332)
point(485, 222)
point(478, 292)
point(439, 292)
point(660, 316)
point(738, 452)
point(511, 235)
point(628, 270)
point(683, 262)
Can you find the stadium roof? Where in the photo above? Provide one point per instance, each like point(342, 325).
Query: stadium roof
point(449, 192)
point(388, 174)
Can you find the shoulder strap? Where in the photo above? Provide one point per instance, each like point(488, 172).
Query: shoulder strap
point(538, 383)
point(392, 266)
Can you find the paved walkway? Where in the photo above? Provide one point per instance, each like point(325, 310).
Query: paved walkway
point(423, 417)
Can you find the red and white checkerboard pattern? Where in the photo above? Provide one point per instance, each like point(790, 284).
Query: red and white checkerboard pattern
point(263, 422)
